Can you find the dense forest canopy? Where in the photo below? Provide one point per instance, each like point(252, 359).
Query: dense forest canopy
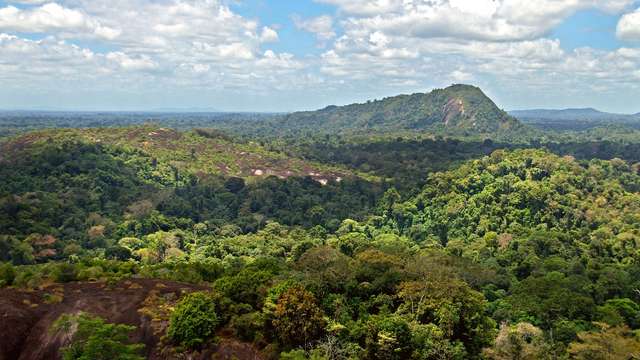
point(410, 242)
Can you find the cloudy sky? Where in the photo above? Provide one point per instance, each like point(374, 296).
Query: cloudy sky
point(282, 55)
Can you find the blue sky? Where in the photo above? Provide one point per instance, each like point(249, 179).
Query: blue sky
point(280, 55)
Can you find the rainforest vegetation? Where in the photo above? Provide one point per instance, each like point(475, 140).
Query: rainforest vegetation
point(402, 246)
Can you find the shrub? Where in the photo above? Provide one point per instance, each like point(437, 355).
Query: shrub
point(65, 272)
point(118, 253)
point(53, 298)
point(193, 320)
point(93, 273)
point(248, 327)
point(29, 277)
point(94, 339)
point(7, 274)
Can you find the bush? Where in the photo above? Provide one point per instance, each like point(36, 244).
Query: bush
point(118, 253)
point(29, 277)
point(93, 338)
point(194, 320)
point(93, 273)
point(248, 327)
point(64, 273)
point(7, 274)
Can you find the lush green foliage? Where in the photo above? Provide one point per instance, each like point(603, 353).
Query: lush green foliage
point(447, 249)
point(607, 343)
point(94, 339)
point(63, 196)
point(194, 320)
point(298, 319)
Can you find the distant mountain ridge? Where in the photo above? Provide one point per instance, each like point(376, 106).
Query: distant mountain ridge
point(453, 109)
point(579, 119)
point(583, 114)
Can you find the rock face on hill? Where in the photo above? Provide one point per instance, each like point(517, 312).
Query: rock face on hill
point(456, 108)
point(26, 318)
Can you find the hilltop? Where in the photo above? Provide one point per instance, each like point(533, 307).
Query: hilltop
point(456, 109)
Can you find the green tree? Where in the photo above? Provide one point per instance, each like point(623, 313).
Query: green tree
point(458, 310)
point(7, 274)
point(619, 312)
point(610, 343)
point(22, 253)
point(522, 341)
point(388, 338)
point(297, 318)
point(194, 320)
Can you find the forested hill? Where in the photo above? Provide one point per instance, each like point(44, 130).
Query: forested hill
point(518, 193)
point(456, 109)
point(58, 182)
point(167, 151)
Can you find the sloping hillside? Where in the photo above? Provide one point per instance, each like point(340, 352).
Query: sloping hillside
point(516, 193)
point(58, 185)
point(199, 152)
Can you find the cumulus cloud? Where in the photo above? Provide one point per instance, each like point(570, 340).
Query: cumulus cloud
point(184, 43)
point(492, 20)
point(52, 17)
point(321, 26)
point(461, 76)
point(128, 63)
point(368, 46)
point(629, 26)
point(268, 35)
point(387, 42)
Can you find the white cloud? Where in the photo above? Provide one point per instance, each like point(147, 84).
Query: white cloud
point(493, 43)
point(52, 17)
point(629, 26)
point(461, 76)
point(492, 20)
point(181, 43)
point(321, 26)
point(268, 35)
point(373, 47)
point(128, 63)
point(29, 2)
point(365, 7)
